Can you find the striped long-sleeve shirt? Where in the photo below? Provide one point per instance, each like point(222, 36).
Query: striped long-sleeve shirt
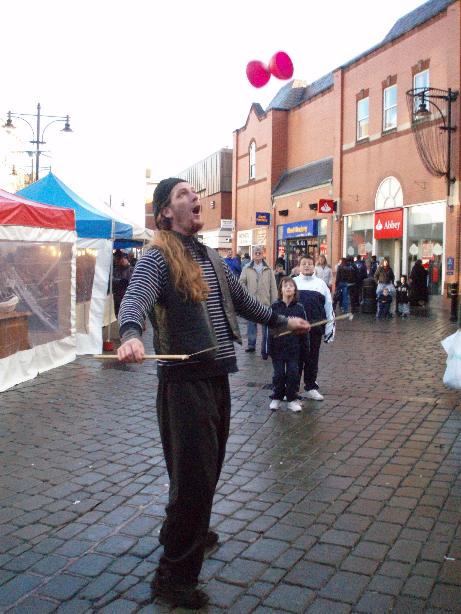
point(150, 277)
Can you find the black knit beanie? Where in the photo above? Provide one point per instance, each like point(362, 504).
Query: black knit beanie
point(162, 193)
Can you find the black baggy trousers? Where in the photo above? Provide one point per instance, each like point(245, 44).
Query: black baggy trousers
point(194, 419)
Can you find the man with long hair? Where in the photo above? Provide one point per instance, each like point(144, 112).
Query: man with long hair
point(192, 299)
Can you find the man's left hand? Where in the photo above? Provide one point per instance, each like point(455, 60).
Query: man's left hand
point(298, 325)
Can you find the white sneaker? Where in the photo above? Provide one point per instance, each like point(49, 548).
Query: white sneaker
point(314, 395)
point(275, 404)
point(294, 406)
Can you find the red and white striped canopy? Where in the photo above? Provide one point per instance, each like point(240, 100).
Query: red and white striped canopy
point(20, 211)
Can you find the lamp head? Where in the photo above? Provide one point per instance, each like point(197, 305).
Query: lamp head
point(422, 111)
point(67, 127)
point(8, 125)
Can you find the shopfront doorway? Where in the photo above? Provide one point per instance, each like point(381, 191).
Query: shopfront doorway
point(392, 249)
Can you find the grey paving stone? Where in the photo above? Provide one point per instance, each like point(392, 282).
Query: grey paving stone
point(374, 603)
point(63, 587)
point(16, 588)
point(241, 572)
point(119, 606)
point(90, 565)
point(311, 575)
point(322, 606)
point(345, 586)
point(223, 594)
point(290, 598)
point(34, 605)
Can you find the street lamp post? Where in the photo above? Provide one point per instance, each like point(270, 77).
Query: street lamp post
point(39, 132)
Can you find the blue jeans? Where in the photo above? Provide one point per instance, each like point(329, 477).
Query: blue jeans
point(252, 330)
point(344, 290)
point(285, 379)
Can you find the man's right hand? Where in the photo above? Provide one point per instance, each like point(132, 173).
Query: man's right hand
point(131, 351)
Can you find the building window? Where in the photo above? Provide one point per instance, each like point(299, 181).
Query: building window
point(420, 83)
point(362, 119)
point(390, 108)
point(253, 160)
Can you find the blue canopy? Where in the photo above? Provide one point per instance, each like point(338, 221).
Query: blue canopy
point(90, 222)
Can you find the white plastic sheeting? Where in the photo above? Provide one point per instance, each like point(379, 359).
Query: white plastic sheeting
point(93, 266)
point(38, 266)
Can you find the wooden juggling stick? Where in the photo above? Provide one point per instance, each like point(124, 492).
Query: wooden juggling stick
point(344, 316)
point(158, 356)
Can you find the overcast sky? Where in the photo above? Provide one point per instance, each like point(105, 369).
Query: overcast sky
point(162, 85)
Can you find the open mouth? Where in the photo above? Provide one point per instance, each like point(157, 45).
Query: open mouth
point(196, 210)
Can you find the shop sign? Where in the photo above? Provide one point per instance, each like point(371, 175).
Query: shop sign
point(227, 224)
point(389, 224)
point(450, 266)
point(326, 205)
point(307, 228)
point(263, 218)
point(245, 237)
point(260, 236)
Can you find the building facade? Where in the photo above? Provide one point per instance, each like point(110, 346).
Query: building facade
point(350, 138)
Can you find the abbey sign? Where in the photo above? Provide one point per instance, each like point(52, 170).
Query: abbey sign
point(388, 224)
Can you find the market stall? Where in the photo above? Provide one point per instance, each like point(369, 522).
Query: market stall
point(37, 288)
point(97, 233)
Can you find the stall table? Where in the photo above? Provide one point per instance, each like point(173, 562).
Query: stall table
point(14, 332)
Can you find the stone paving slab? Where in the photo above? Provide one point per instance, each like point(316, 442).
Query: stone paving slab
point(350, 506)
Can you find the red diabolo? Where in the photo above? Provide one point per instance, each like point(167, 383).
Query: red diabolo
point(281, 66)
point(257, 73)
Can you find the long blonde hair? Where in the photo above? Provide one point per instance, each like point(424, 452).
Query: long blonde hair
point(185, 272)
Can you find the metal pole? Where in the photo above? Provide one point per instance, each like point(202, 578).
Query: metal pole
point(37, 137)
point(449, 130)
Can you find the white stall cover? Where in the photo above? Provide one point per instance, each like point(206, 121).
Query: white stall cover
point(37, 288)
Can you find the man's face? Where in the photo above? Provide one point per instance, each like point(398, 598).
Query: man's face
point(257, 256)
point(306, 266)
point(184, 211)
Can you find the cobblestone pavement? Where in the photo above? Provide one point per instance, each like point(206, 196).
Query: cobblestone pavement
point(351, 506)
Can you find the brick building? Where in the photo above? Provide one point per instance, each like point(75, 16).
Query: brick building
point(349, 137)
point(212, 179)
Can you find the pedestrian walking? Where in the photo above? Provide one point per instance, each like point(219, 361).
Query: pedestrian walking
point(402, 297)
point(316, 300)
point(245, 260)
point(192, 299)
point(385, 278)
point(324, 272)
point(384, 305)
point(234, 263)
point(286, 351)
point(345, 278)
point(419, 294)
point(258, 278)
point(279, 271)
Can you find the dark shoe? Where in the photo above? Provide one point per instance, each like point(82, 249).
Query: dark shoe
point(178, 595)
point(211, 540)
point(250, 350)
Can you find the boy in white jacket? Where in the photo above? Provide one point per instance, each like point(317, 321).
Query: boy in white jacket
point(315, 297)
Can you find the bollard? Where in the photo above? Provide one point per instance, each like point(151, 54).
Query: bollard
point(453, 294)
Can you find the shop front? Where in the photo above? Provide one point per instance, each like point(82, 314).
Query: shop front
point(358, 235)
point(247, 240)
point(425, 241)
point(388, 235)
point(297, 239)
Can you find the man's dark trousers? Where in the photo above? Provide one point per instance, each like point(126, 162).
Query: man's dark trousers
point(194, 419)
point(310, 364)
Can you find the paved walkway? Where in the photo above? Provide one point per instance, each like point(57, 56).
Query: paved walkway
point(351, 506)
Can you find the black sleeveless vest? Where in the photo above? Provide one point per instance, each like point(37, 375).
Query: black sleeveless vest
point(182, 326)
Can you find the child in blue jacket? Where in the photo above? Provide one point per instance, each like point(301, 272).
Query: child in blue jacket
point(287, 350)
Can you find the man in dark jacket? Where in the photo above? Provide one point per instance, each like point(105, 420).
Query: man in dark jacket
point(192, 299)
